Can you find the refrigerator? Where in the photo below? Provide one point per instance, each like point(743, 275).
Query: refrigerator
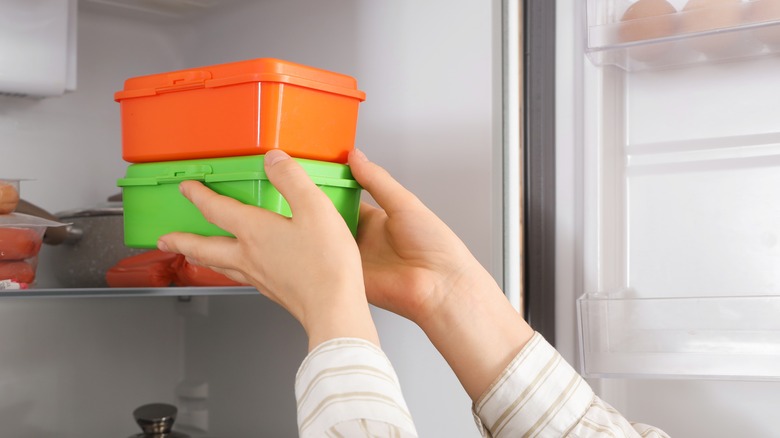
point(76, 361)
point(625, 207)
point(662, 259)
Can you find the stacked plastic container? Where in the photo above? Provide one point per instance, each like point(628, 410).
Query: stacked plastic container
point(214, 124)
point(21, 236)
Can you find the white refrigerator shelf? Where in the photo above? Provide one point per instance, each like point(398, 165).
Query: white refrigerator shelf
point(719, 337)
point(648, 34)
point(137, 292)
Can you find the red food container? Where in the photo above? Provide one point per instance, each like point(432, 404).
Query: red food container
point(241, 108)
point(21, 236)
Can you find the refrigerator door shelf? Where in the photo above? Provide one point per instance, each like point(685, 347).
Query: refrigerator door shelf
point(681, 174)
point(651, 34)
point(727, 337)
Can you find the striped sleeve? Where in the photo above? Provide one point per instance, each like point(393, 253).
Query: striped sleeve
point(539, 394)
point(347, 387)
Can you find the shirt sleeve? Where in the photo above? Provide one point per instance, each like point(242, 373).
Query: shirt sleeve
point(540, 394)
point(347, 387)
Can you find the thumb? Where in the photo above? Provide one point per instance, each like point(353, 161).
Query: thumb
point(386, 191)
point(291, 180)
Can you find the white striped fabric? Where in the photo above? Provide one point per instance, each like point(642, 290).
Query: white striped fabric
point(347, 387)
point(602, 419)
point(540, 395)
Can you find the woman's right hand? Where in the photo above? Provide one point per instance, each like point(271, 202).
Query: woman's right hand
point(415, 266)
point(412, 261)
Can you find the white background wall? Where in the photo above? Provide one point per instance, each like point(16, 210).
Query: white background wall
point(428, 70)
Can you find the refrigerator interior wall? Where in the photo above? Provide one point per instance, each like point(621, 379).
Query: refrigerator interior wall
point(679, 170)
point(229, 362)
point(77, 368)
point(73, 367)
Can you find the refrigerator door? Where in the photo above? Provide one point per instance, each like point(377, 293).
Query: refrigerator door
point(673, 190)
point(681, 182)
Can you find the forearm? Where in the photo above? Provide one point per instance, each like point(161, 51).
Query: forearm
point(476, 330)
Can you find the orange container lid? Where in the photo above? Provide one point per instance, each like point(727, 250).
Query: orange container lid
point(252, 70)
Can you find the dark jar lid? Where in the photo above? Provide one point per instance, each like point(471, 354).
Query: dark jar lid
point(156, 421)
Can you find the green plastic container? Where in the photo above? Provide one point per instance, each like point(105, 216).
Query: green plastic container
point(153, 205)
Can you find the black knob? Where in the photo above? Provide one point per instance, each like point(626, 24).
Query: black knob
point(155, 418)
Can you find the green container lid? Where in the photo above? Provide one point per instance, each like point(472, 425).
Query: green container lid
point(230, 169)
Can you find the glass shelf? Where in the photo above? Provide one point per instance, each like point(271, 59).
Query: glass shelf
point(128, 292)
point(729, 337)
point(636, 35)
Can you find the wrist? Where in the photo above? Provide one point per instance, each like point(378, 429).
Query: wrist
point(345, 316)
point(476, 329)
point(453, 292)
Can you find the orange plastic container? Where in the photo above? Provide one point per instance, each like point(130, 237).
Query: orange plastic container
point(241, 108)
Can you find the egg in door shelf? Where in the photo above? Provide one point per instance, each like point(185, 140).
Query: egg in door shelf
point(654, 34)
point(215, 123)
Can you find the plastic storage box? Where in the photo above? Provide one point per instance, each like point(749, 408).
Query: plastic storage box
point(21, 236)
point(153, 205)
point(241, 108)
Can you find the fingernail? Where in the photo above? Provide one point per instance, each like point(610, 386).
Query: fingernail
point(162, 246)
point(275, 156)
point(359, 155)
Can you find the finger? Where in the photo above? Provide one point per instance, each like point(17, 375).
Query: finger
point(222, 211)
point(366, 208)
point(294, 184)
point(386, 191)
point(232, 274)
point(365, 224)
point(216, 251)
